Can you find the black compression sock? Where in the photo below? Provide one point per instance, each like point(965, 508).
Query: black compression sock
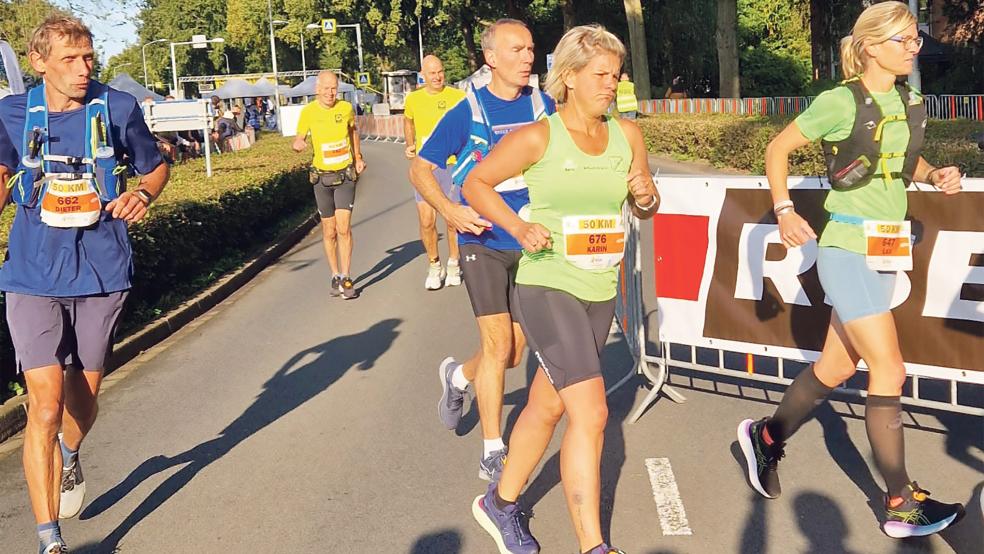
point(797, 404)
point(883, 422)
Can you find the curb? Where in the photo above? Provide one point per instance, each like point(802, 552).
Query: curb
point(13, 413)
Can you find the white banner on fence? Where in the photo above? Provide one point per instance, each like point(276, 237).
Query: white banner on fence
point(725, 282)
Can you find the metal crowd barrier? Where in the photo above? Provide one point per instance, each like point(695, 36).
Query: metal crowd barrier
point(630, 319)
point(380, 128)
point(947, 107)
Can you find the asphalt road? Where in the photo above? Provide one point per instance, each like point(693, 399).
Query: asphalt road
point(288, 421)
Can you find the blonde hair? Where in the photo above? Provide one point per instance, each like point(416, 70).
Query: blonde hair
point(875, 25)
point(576, 48)
point(58, 25)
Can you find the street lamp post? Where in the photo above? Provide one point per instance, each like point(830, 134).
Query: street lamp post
point(174, 64)
point(143, 54)
point(227, 63)
point(303, 61)
point(116, 68)
point(273, 56)
point(358, 40)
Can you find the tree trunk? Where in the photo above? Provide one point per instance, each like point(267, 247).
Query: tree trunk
point(467, 19)
point(567, 6)
point(727, 47)
point(637, 42)
point(821, 39)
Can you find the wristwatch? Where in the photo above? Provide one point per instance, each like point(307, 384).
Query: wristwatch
point(144, 195)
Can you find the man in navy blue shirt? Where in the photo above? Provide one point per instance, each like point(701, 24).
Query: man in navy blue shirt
point(489, 254)
point(68, 266)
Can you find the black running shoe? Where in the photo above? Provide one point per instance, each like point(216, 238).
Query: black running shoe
point(336, 286)
point(761, 460)
point(918, 515)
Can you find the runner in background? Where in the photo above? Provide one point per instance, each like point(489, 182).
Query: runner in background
point(581, 166)
point(424, 107)
point(335, 169)
point(625, 98)
point(872, 131)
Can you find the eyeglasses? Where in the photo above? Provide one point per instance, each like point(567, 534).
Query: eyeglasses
point(909, 43)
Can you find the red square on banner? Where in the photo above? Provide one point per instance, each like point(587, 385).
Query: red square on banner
point(680, 242)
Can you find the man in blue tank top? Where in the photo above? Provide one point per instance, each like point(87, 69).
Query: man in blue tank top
point(489, 255)
point(64, 151)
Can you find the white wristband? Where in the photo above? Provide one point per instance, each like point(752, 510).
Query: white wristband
point(645, 208)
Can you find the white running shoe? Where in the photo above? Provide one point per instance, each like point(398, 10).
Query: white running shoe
point(454, 274)
point(435, 276)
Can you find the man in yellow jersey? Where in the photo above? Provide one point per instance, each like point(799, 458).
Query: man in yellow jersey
point(424, 108)
point(336, 166)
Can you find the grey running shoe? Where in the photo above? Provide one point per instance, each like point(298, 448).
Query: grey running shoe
point(336, 286)
point(56, 547)
point(761, 460)
point(348, 289)
point(490, 468)
point(72, 490)
point(452, 399)
point(509, 527)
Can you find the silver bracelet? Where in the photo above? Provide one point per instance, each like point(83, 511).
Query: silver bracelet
point(782, 207)
point(645, 208)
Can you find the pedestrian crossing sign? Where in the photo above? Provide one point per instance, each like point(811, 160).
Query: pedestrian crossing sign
point(362, 79)
point(329, 25)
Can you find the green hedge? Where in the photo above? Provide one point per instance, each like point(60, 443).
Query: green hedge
point(738, 142)
point(201, 227)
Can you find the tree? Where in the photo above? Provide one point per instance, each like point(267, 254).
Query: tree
point(637, 41)
point(18, 19)
point(727, 47)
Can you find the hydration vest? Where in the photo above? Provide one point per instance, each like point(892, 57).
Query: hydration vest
point(482, 139)
point(101, 164)
point(853, 162)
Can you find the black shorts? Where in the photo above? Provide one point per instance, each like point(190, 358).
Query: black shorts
point(331, 197)
point(567, 334)
point(490, 276)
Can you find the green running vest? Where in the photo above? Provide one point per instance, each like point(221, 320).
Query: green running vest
point(566, 182)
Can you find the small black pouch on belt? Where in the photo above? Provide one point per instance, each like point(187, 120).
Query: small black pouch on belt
point(327, 178)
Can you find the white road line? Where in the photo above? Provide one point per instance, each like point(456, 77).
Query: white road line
point(669, 506)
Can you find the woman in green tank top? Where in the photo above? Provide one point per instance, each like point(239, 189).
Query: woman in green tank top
point(863, 246)
point(581, 166)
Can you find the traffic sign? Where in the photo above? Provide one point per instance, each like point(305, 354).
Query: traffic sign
point(199, 41)
point(329, 25)
point(362, 79)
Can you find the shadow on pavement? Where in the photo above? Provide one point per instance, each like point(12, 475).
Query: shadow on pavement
point(290, 387)
point(397, 257)
point(821, 522)
point(754, 536)
point(444, 542)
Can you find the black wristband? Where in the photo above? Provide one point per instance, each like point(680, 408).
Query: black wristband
point(144, 195)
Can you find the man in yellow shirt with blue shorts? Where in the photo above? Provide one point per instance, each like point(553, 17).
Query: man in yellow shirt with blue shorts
point(335, 168)
point(423, 109)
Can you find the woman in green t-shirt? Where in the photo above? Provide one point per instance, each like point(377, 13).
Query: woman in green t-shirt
point(863, 246)
point(580, 166)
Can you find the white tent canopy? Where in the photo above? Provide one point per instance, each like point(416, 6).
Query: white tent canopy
point(237, 88)
point(264, 87)
point(127, 84)
point(308, 86)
